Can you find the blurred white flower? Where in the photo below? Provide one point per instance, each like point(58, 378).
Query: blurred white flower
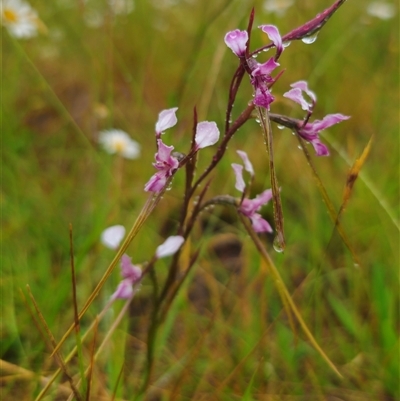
point(19, 18)
point(381, 10)
point(164, 4)
point(112, 236)
point(119, 7)
point(169, 246)
point(277, 6)
point(93, 18)
point(118, 141)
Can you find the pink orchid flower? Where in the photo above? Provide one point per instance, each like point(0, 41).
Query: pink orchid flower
point(310, 131)
point(236, 40)
point(166, 166)
point(250, 207)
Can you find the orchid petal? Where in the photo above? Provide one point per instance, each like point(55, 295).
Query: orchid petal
point(303, 85)
point(274, 36)
point(166, 119)
point(328, 121)
point(320, 148)
point(259, 224)
point(236, 40)
point(166, 164)
point(247, 164)
point(129, 270)
point(124, 290)
point(238, 169)
point(311, 130)
point(170, 246)
point(156, 183)
point(263, 98)
point(296, 95)
point(112, 236)
point(164, 152)
point(207, 134)
point(265, 68)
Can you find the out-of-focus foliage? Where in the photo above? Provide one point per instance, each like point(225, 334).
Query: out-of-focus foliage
point(97, 65)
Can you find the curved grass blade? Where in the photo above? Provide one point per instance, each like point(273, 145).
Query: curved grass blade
point(383, 202)
point(149, 206)
point(284, 292)
point(331, 209)
point(353, 175)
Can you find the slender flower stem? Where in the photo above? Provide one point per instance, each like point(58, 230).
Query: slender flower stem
point(50, 381)
point(279, 242)
point(149, 206)
point(107, 337)
point(222, 147)
point(56, 354)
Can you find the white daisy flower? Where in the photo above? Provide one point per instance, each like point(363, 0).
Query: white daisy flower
point(118, 141)
point(93, 18)
point(381, 10)
point(277, 6)
point(19, 18)
point(112, 236)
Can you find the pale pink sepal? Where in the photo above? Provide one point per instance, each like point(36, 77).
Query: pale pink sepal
point(112, 236)
point(274, 36)
point(170, 246)
point(240, 184)
point(236, 40)
point(207, 134)
point(166, 119)
point(246, 161)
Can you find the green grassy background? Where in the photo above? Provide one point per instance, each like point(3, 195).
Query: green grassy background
point(226, 336)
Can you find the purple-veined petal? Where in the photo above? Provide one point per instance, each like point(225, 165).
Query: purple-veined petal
point(164, 152)
point(124, 290)
point(259, 224)
point(320, 148)
point(207, 134)
point(265, 68)
point(261, 199)
point(264, 197)
point(263, 97)
point(247, 164)
point(166, 119)
point(327, 121)
point(236, 40)
point(166, 164)
point(238, 169)
point(156, 182)
point(303, 85)
point(170, 246)
point(112, 236)
point(311, 130)
point(129, 270)
point(296, 94)
point(250, 206)
point(274, 36)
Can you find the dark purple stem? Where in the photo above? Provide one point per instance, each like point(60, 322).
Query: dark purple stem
point(313, 26)
point(308, 29)
point(222, 147)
